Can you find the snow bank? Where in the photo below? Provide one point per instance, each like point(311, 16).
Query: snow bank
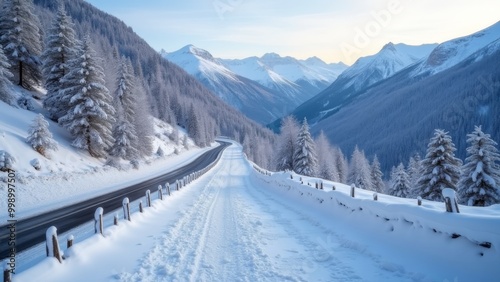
point(479, 225)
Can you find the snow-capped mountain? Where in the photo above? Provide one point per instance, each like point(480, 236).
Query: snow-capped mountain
point(365, 72)
point(254, 100)
point(287, 74)
point(450, 53)
point(391, 59)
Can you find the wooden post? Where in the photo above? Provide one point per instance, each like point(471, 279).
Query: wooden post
point(126, 209)
point(316, 185)
point(353, 188)
point(291, 176)
point(450, 200)
point(160, 193)
point(375, 196)
point(419, 200)
point(333, 187)
point(7, 274)
point(51, 243)
point(115, 220)
point(177, 185)
point(69, 243)
point(167, 186)
point(140, 207)
point(98, 224)
point(148, 198)
point(321, 185)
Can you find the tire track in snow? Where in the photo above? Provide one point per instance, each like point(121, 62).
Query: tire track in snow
point(172, 258)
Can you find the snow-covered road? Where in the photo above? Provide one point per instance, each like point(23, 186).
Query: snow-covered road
point(226, 226)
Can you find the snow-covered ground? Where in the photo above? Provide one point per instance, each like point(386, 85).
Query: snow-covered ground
point(234, 224)
point(69, 175)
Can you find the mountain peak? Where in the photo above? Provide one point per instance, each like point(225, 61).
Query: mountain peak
point(191, 49)
point(389, 46)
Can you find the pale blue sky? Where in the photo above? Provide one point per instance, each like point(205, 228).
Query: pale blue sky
point(333, 30)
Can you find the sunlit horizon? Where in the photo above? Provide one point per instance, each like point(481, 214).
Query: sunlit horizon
point(333, 31)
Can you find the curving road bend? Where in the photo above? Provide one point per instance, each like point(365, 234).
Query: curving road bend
point(31, 231)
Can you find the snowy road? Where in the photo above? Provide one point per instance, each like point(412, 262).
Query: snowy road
point(226, 226)
point(236, 231)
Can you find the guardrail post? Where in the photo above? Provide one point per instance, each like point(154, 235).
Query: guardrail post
point(167, 186)
point(450, 200)
point(160, 192)
point(141, 209)
point(7, 277)
point(177, 185)
point(52, 244)
point(148, 198)
point(333, 188)
point(419, 200)
point(98, 224)
point(115, 219)
point(70, 240)
point(375, 196)
point(126, 209)
point(321, 185)
point(353, 188)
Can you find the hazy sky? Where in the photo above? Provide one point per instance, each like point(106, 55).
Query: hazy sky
point(332, 30)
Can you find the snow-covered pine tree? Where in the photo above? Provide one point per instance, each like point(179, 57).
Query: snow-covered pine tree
point(39, 136)
point(6, 94)
point(440, 168)
point(414, 174)
point(400, 184)
point(305, 160)
point(125, 137)
point(194, 127)
point(6, 161)
point(376, 176)
point(143, 122)
point(479, 183)
point(341, 164)
point(359, 170)
point(326, 162)
point(286, 144)
point(60, 48)
point(20, 36)
point(91, 114)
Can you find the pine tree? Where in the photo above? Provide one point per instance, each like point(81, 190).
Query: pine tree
point(143, 122)
point(341, 164)
point(124, 134)
point(400, 184)
point(376, 176)
point(90, 115)
point(359, 170)
point(326, 162)
point(20, 36)
point(414, 174)
point(6, 94)
point(286, 144)
point(305, 161)
point(59, 50)
point(39, 136)
point(480, 179)
point(195, 127)
point(440, 168)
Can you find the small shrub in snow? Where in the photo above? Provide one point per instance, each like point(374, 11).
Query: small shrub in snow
point(160, 152)
point(113, 162)
point(6, 161)
point(36, 164)
point(25, 103)
point(135, 164)
point(39, 136)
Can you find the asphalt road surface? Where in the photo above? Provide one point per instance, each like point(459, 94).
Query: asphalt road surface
point(31, 231)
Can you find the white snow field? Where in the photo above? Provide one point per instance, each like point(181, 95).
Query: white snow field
point(234, 224)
